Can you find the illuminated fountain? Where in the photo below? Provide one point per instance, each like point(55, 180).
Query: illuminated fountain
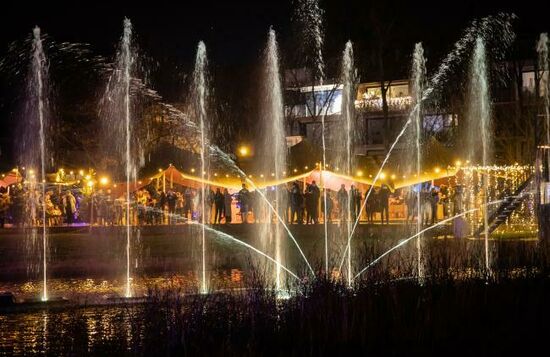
point(418, 84)
point(34, 154)
point(118, 121)
point(489, 27)
point(200, 93)
point(274, 151)
point(345, 133)
point(479, 127)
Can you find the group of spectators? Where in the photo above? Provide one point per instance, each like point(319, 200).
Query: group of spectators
point(184, 206)
point(306, 205)
point(296, 204)
point(28, 206)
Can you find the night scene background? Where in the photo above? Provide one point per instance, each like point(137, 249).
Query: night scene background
point(301, 177)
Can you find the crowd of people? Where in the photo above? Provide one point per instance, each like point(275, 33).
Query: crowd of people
point(297, 203)
point(306, 205)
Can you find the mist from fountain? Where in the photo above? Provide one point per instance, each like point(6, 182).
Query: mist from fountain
point(37, 86)
point(419, 234)
point(345, 133)
point(223, 235)
point(499, 24)
point(479, 126)
point(118, 123)
point(273, 149)
point(200, 96)
point(418, 77)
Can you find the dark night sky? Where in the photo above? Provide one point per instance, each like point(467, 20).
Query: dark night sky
point(234, 31)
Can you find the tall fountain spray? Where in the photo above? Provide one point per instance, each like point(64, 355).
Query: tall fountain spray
point(127, 62)
point(118, 138)
point(310, 16)
point(491, 26)
point(418, 76)
point(479, 117)
point(543, 61)
point(200, 97)
point(39, 94)
point(273, 146)
point(345, 159)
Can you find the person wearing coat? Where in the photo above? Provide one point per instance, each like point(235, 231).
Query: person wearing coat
point(69, 205)
point(228, 199)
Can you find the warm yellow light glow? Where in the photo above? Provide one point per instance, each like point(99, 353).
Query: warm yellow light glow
point(72, 172)
point(458, 163)
point(192, 170)
point(226, 175)
point(393, 177)
point(215, 174)
point(103, 180)
point(139, 182)
point(295, 170)
point(337, 169)
point(160, 170)
point(262, 175)
point(437, 170)
point(284, 172)
point(114, 185)
point(305, 167)
point(244, 150)
point(31, 172)
point(359, 173)
point(272, 174)
point(81, 172)
point(90, 183)
point(382, 176)
point(87, 177)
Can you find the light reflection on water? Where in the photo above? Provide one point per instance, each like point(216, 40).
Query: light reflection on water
point(48, 331)
point(87, 290)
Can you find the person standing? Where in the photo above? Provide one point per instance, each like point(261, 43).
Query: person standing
point(384, 199)
point(342, 196)
point(171, 199)
point(308, 204)
point(434, 200)
point(354, 202)
point(188, 204)
point(411, 202)
point(371, 204)
point(315, 195)
point(328, 215)
point(228, 199)
point(69, 204)
point(295, 204)
point(425, 206)
point(244, 198)
point(219, 205)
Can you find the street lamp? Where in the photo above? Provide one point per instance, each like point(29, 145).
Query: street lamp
point(244, 150)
